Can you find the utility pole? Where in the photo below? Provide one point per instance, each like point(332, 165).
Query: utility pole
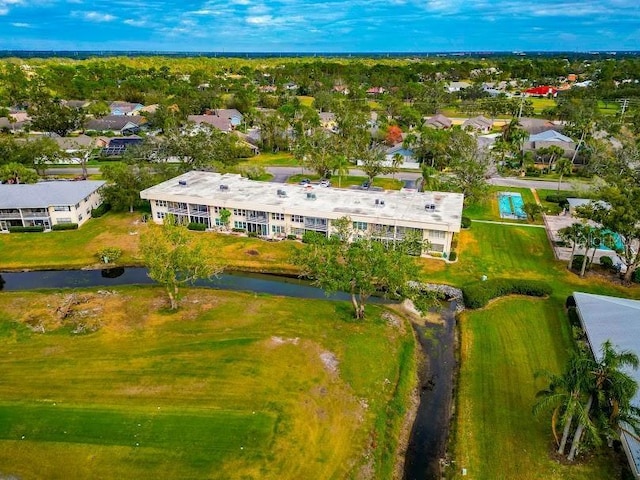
point(521, 105)
point(624, 102)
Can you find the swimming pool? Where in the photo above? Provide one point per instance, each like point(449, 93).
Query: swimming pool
point(511, 205)
point(608, 240)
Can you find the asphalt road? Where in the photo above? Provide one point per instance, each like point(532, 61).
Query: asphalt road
point(281, 174)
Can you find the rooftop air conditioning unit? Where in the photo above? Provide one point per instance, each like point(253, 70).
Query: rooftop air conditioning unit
point(182, 182)
point(282, 193)
point(224, 187)
point(430, 207)
point(311, 196)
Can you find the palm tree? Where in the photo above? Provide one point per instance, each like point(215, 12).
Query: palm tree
point(611, 390)
point(563, 167)
point(341, 167)
point(564, 394)
point(572, 234)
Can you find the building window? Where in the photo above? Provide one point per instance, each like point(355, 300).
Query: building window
point(79, 216)
point(160, 215)
point(360, 226)
point(240, 225)
point(239, 212)
point(437, 234)
point(436, 247)
point(277, 216)
point(297, 231)
point(297, 218)
point(161, 203)
point(88, 211)
point(61, 208)
point(277, 229)
point(216, 209)
point(64, 220)
point(218, 222)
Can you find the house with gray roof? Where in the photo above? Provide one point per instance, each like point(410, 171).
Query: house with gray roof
point(125, 108)
point(617, 320)
point(439, 121)
point(116, 124)
point(223, 119)
point(48, 203)
point(478, 124)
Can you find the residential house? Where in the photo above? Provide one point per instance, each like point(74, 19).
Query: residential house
point(538, 125)
point(452, 87)
point(117, 124)
point(290, 86)
point(125, 108)
point(439, 121)
point(77, 104)
point(407, 159)
point(117, 146)
point(478, 124)
point(79, 148)
point(268, 88)
point(222, 122)
point(343, 89)
point(617, 320)
point(550, 138)
point(48, 203)
point(328, 121)
point(15, 122)
point(541, 91)
point(376, 91)
point(275, 211)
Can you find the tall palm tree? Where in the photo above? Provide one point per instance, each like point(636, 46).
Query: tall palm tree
point(611, 390)
point(564, 394)
point(572, 234)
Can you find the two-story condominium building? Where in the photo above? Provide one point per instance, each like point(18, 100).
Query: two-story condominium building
point(48, 203)
point(277, 210)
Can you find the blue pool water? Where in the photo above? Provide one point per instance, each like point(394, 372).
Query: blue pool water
point(609, 241)
point(511, 205)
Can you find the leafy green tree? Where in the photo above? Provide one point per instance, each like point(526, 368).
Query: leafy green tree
point(573, 234)
point(50, 116)
point(533, 210)
point(360, 267)
point(563, 167)
point(319, 152)
point(468, 166)
point(17, 173)
point(124, 183)
point(373, 162)
point(99, 109)
point(174, 257)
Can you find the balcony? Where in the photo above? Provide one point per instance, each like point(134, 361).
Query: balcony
point(36, 214)
point(10, 215)
point(319, 224)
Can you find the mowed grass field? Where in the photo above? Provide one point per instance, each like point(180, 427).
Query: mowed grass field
point(232, 386)
point(496, 435)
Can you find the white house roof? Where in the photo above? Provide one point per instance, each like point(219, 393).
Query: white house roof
point(404, 207)
point(46, 194)
point(618, 320)
point(550, 136)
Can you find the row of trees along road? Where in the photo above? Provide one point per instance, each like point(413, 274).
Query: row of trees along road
point(591, 399)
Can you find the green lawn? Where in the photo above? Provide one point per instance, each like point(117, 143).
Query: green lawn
point(232, 386)
point(497, 436)
point(489, 210)
point(351, 180)
point(283, 159)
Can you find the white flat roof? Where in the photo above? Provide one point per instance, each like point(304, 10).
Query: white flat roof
point(46, 194)
point(618, 320)
point(407, 208)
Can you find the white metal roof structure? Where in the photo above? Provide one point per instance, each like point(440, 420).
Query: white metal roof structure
point(618, 320)
point(46, 194)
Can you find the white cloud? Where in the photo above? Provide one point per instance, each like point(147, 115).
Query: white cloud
point(21, 25)
point(135, 23)
point(95, 16)
point(259, 20)
point(6, 4)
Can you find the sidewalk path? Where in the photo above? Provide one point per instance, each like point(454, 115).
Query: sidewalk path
point(508, 223)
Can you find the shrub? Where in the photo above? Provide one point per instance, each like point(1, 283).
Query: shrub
point(238, 230)
point(465, 222)
point(199, 227)
point(39, 228)
point(477, 295)
point(291, 237)
point(314, 238)
point(570, 302)
point(606, 262)
point(101, 210)
point(252, 234)
point(574, 319)
point(635, 276)
point(556, 198)
point(65, 226)
point(436, 254)
point(109, 254)
point(576, 263)
point(453, 256)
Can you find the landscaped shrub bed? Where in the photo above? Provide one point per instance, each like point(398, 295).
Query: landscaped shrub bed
point(65, 226)
point(39, 228)
point(465, 222)
point(200, 227)
point(576, 263)
point(101, 210)
point(479, 294)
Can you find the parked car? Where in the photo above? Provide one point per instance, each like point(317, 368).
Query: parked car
point(325, 182)
point(305, 181)
point(365, 185)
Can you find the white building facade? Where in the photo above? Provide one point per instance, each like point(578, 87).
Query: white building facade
point(277, 210)
point(48, 203)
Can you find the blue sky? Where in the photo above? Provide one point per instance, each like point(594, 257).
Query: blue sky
point(314, 26)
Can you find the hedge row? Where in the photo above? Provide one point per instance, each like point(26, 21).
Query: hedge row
point(38, 228)
point(479, 294)
point(199, 227)
point(65, 226)
point(101, 210)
